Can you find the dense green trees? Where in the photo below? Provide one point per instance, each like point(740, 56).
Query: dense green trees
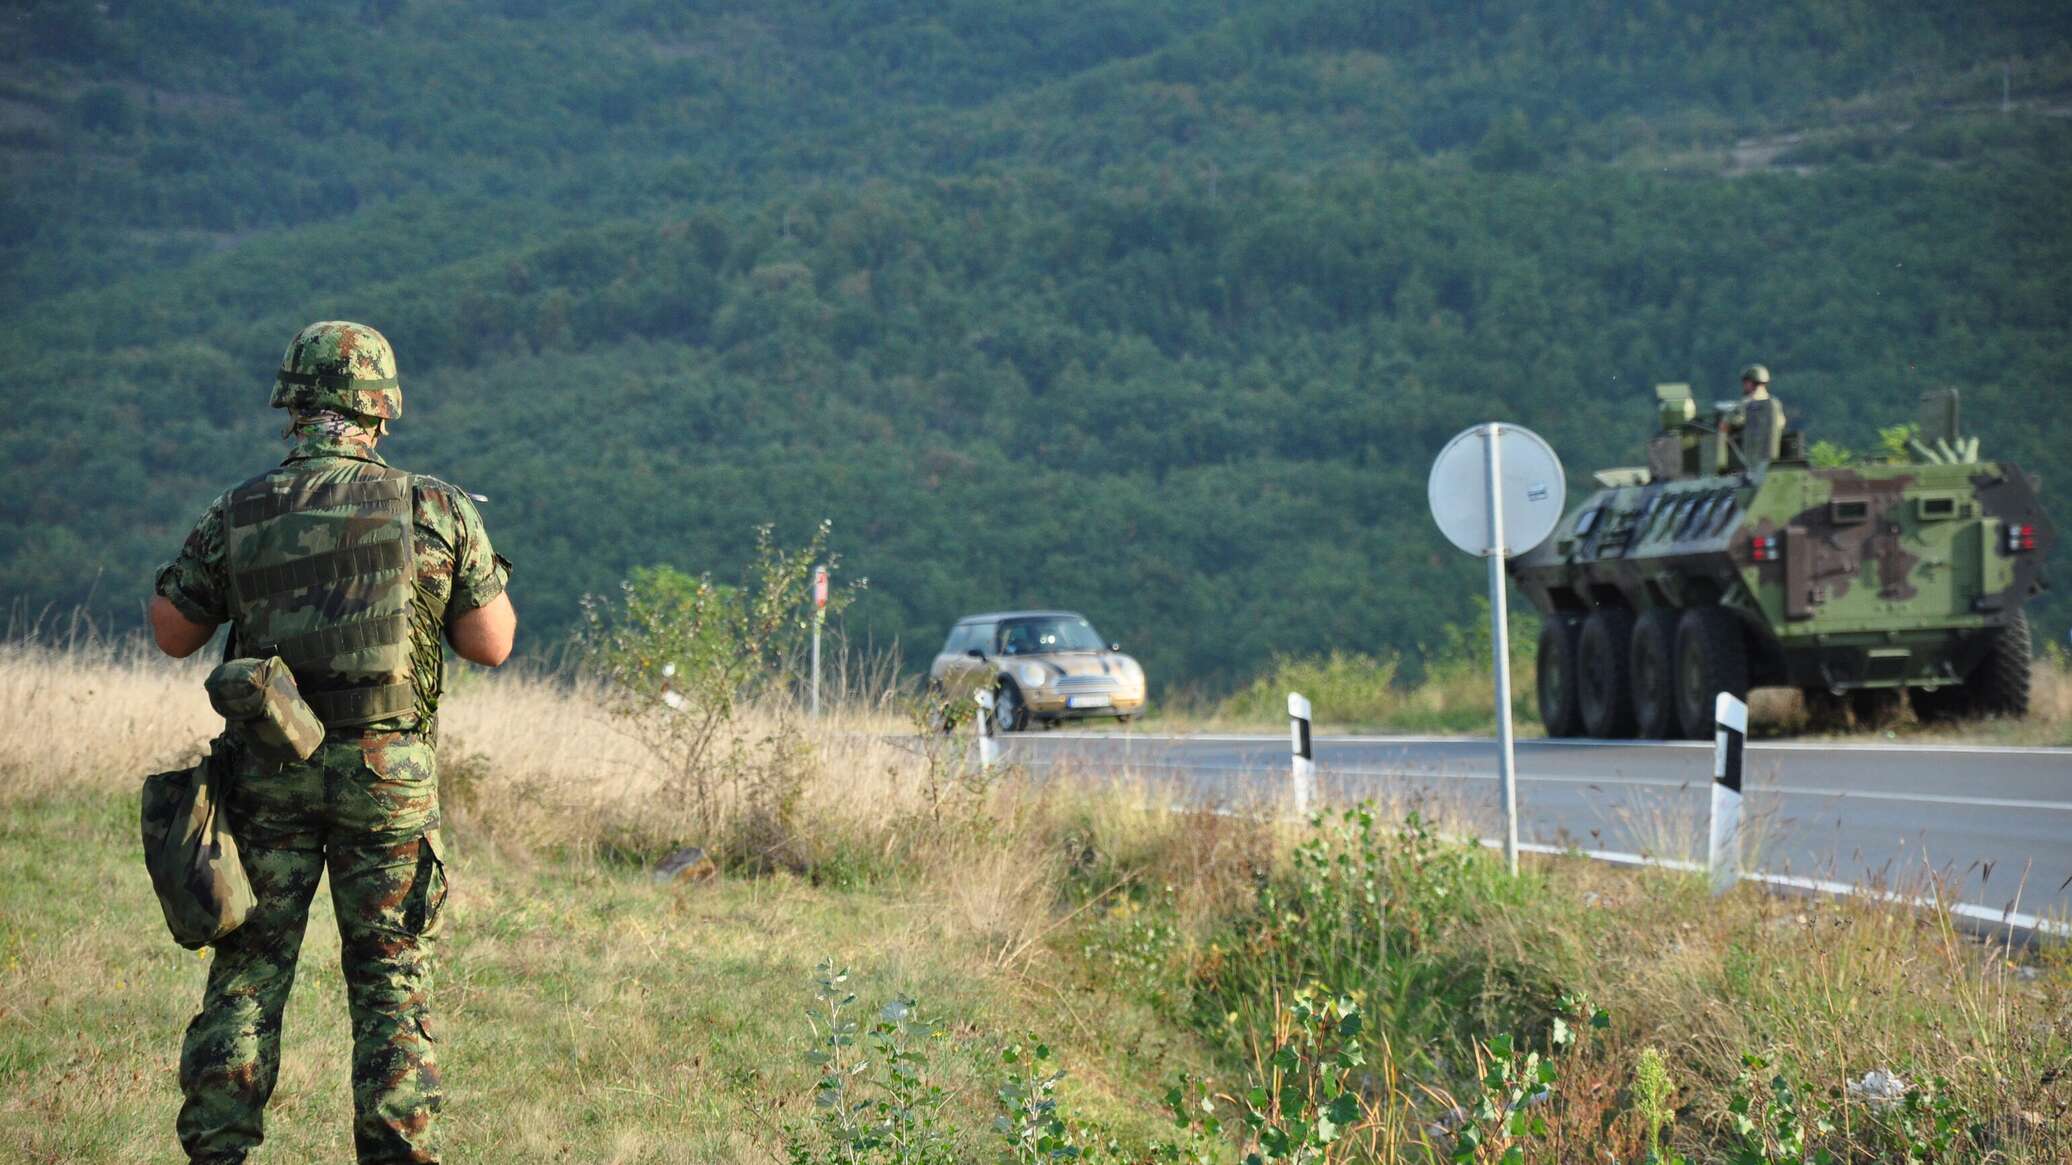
point(1155, 310)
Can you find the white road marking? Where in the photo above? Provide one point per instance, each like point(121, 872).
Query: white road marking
point(1565, 742)
point(1686, 785)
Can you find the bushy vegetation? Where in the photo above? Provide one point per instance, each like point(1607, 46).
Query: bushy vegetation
point(1150, 309)
point(1451, 689)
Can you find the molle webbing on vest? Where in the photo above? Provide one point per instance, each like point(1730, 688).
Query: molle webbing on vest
point(345, 639)
point(322, 569)
point(322, 574)
point(250, 507)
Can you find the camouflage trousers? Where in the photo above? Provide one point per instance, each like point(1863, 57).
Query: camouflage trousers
point(366, 810)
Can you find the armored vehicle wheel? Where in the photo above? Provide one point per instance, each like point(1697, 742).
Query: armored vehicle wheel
point(1604, 682)
point(1653, 670)
point(1557, 676)
point(2000, 684)
point(1010, 714)
point(1711, 658)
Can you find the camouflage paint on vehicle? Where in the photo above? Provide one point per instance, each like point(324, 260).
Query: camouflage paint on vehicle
point(1873, 576)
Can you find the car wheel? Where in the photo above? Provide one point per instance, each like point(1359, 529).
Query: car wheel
point(1010, 714)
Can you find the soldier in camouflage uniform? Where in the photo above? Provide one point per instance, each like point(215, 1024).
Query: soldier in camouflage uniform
point(1759, 421)
point(355, 574)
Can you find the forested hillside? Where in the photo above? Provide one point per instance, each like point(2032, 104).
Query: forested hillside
point(1153, 309)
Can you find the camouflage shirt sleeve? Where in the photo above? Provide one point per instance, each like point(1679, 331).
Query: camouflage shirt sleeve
point(194, 581)
point(479, 572)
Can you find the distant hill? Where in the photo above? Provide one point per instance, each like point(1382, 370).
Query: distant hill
point(1154, 309)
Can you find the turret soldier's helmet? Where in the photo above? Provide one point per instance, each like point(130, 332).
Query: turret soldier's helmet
point(339, 365)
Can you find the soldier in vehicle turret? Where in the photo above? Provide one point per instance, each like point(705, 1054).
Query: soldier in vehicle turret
point(1759, 422)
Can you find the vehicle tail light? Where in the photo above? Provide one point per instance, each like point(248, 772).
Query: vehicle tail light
point(1767, 548)
point(2020, 538)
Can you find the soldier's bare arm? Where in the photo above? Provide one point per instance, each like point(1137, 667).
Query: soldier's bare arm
point(177, 635)
point(483, 635)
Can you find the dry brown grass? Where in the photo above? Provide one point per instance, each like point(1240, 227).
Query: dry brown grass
point(96, 716)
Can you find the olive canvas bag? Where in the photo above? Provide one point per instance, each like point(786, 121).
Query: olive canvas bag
point(190, 852)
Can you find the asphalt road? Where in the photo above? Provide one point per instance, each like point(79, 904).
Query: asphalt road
point(1995, 823)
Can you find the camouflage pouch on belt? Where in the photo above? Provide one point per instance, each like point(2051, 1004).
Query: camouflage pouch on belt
point(259, 697)
point(189, 850)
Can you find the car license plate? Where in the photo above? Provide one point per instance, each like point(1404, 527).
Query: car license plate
point(1087, 702)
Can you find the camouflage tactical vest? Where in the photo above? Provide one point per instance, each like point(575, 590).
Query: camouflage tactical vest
point(322, 574)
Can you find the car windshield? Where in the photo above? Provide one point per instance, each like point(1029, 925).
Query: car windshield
point(1031, 636)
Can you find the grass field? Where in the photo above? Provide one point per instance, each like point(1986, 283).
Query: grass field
point(587, 1013)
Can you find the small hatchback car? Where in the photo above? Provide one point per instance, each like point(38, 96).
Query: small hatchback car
point(1044, 667)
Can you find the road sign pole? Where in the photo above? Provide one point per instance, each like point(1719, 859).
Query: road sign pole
point(1468, 503)
point(1500, 646)
point(1302, 765)
point(1723, 849)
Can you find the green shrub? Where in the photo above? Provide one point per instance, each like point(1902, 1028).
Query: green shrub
point(1450, 688)
point(1365, 911)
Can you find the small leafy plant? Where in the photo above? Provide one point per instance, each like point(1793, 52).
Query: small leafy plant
point(1030, 1126)
point(875, 1100)
point(1514, 1083)
point(1652, 1090)
point(1773, 1128)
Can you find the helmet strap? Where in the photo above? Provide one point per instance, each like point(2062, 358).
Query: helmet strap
point(304, 424)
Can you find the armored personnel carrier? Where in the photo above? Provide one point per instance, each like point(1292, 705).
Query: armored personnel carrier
point(1730, 561)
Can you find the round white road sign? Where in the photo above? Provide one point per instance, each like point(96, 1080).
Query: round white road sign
point(1531, 490)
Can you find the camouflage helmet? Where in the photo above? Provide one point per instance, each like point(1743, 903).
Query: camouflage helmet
point(339, 365)
point(1757, 373)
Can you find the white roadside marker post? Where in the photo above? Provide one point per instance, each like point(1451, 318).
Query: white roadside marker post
point(1302, 767)
point(988, 744)
point(1730, 732)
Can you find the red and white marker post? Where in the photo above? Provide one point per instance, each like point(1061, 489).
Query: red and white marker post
point(819, 619)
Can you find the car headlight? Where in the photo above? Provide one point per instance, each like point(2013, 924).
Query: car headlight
point(1031, 675)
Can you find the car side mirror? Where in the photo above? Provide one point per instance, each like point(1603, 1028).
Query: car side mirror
point(975, 653)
